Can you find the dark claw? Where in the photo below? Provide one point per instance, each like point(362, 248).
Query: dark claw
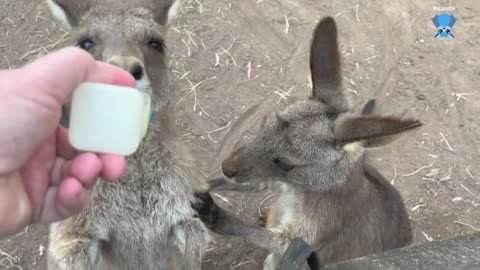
point(368, 107)
point(206, 209)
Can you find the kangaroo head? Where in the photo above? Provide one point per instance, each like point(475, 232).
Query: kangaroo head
point(128, 34)
point(314, 142)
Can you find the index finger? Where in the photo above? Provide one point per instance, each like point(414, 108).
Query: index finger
point(59, 73)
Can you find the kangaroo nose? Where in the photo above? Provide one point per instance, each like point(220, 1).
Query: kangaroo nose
point(230, 167)
point(137, 71)
point(132, 65)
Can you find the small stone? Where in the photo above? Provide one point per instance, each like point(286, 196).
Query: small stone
point(421, 96)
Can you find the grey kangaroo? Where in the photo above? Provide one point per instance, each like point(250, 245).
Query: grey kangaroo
point(145, 221)
point(312, 153)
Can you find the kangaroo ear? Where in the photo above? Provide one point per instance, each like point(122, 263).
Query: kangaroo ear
point(325, 66)
point(372, 131)
point(69, 12)
point(165, 11)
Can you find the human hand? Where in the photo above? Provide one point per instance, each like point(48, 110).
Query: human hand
point(42, 178)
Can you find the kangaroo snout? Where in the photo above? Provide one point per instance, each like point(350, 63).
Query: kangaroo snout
point(130, 64)
point(230, 166)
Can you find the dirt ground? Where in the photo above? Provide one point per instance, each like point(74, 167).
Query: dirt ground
point(247, 58)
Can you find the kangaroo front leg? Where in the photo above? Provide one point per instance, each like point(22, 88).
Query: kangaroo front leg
point(191, 238)
point(222, 222)
point(222, 184)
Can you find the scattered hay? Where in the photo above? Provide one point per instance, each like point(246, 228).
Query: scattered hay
point(394, 176)
point(287, 25)
point(469, 191)
point(467, 225)
point(222, 198)
point(209, 134)
point(249, 70)
point(284, 94)
point(446, 142)
point(261, 204)
point(9, 261)
point(193, 89)
point(242, 263)
point(428, 237)
point(41, 50)
point(227, 52)
point(418, 170)
point(370, 58)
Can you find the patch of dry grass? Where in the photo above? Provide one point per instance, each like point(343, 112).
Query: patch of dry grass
point(9, 261)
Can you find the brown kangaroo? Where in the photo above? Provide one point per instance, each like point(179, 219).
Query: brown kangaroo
point(312, 154)
point(145, 221)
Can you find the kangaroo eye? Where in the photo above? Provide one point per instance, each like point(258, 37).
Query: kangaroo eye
point(284, 166)
point(86, 44)
point(157, 45)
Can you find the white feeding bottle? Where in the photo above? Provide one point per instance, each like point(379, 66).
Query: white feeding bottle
point(108, 119)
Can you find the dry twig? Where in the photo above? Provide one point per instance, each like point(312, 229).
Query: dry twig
point(446, 142)
point(394, 176)
point(222, 198)
point(217, 130)
point(287, 25)
point(418, 170)
point(467, 225)
point(262, 202)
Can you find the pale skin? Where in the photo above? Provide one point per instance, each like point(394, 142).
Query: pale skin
point(43, 179)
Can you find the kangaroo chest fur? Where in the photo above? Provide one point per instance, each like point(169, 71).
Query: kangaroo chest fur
point(144, 221)
point(295, 211)
point(330, 221)
point(145, 212)
point(143, 206)
point(286, 209)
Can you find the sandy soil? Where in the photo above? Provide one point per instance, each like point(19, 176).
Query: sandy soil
point(249, 57)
